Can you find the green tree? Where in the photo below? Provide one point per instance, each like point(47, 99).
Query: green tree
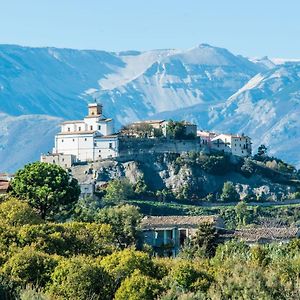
point(47, 188)
point(118, 190)
point(137, 287)
point(203, 243)
point(241, 211)
point(80, 278)
point(124, 221)
point(14, 212)
point(229, 193)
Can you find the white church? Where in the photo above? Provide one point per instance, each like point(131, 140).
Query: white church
point(90, 139)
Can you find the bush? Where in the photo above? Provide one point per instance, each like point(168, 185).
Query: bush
point(14, 212)
point(29, 266)
point(123, 263)
point(80, 278)
point(137, 287)
point(69, 239)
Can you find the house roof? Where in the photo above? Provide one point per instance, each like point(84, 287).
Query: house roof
point(4, 185)
point(153, 222)
point(268, 233)
point(148, 122)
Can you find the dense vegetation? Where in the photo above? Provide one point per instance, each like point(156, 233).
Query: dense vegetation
point(54, 246)
point(91, 260)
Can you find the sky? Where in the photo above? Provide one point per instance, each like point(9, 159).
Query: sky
point(251, 28)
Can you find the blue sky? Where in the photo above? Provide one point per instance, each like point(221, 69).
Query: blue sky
point(250, 28)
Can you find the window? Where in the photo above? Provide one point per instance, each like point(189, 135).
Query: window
point(99, 151)
point(69, 129)
point(85, 139)
point(95, 144)
point(99, 127)
point(62, 141)
point(79, 128)
point(110, 145)
point(73, 140)
point(91, 127)
point(62, 159)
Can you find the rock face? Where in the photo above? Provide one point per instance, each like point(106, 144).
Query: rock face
point(175, 172)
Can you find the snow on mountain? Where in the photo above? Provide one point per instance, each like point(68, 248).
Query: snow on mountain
point(268, 108)
point(200, 75)
point(205, 84)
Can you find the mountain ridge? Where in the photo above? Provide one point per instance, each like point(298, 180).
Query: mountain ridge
point(205, 84)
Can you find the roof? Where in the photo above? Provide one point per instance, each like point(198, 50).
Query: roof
point(266, 233)
point(148, 122)
point(72, 121)
point(233, 135)
point(4, 185)
point(153, 222)
point(77, 132)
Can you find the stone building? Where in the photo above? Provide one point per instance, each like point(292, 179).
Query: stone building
point(167, 234)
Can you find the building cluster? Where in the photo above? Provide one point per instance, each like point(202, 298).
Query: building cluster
point(168, 234)
point(94, 138)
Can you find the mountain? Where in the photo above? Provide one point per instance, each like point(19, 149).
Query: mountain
point(268, 108)
point(208, 85)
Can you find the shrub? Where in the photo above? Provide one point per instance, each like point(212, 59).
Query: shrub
point(80, 278)
point(137, 287)
point(29, 266)
point(14, 212)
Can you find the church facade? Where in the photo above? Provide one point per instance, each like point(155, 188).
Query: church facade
point(90, 139)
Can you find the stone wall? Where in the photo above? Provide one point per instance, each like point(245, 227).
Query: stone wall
point(134, 146)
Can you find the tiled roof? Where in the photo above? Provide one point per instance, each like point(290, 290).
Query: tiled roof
point(268, 233)
point(152, 222)
point(4, 185)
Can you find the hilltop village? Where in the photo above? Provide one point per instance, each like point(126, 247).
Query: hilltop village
point(94, 139)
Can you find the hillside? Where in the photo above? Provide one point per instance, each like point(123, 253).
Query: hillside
point(206, 85)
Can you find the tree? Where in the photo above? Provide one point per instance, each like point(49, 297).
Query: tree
point(124, 221)
point(80, 278)
point(14, 212)
point(118, 190)
point(203, 243)
point(229, 194)
point(262, 151)
point(241, 212)
point(46, 187)
point(137, 287)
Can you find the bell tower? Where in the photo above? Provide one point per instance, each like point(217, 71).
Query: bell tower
point(95, 110)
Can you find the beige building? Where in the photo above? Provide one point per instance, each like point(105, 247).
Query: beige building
point(239, 145)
